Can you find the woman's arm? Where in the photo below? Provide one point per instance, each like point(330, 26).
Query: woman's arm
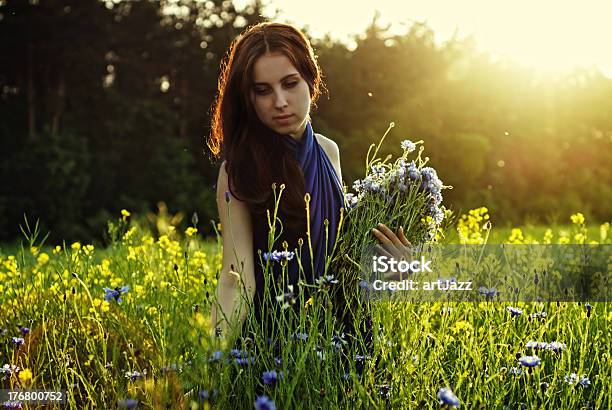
point(237, 239)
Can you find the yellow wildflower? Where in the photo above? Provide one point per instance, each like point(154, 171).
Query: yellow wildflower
point(43, 258)
point(34, 250)
point(99, 304)
point(125, 214)
point(191, 231)
point(128, 235)
point(88, 249)
point(57, 249)
point(516, 236)
point(579, 237)
point(76, 246)
point(25, 375)
point(548, 236)
point(577, 219)
point(152, 310)
point(461, 326)
point(603, 231)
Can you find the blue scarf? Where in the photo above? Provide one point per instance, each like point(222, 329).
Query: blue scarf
point(326, 199)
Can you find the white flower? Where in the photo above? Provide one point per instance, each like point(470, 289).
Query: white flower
point(408, 145)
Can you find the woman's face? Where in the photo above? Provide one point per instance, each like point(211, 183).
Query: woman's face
point(280, 95)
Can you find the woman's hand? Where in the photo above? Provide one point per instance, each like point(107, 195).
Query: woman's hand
point(392, 245)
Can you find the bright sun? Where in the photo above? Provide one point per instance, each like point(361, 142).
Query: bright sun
point(544, 34)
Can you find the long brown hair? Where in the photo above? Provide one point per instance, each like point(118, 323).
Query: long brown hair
point(255, 156)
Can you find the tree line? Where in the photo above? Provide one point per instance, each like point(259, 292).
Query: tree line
point(105, 105)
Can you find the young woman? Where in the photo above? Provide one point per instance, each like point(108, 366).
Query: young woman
point(261, 128)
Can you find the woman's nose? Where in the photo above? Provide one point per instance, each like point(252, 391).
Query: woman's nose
point(281, 100)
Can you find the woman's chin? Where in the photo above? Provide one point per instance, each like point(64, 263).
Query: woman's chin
point(285, 129)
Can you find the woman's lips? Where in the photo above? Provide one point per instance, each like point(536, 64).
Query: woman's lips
point(283, 119)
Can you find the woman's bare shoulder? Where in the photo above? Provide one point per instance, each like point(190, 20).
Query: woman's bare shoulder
point(329, 146)
point(333, 152)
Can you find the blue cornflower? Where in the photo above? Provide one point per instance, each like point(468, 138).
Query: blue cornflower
point(361, 358)
point(571, 378)
point(237, 353)
point(364, 284)
point(288, 298)
point(413, 172)
point(488, 293)
point(115, 294)
point(338, 342)
point(556, 347)
point(300, 336)
point(207, 395)
point(24, 330)
point(279, 256)
point(264, 403)
point(271, 377)
point(216, 356)
point(12, 404)
point(7, 370)
point(436, 199)
point(536, 345)
point(326, 281)
point(436, 213)
point(351, 200)
point(378, 169)
point(18, 340)
point(588, 307)
point(584, 381)
point(408, 145)
point(133, 375)
point(514, 311)
point(447, 397)
point(538, 315)
point(530, 361)
point(515, 371)
point(383, 390)
point(127, 403)
point(244, 361)
point(429, 174)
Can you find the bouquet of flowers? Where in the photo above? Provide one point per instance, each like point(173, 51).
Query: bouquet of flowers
point(404, 193)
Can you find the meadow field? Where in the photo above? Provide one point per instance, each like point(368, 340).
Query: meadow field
point(128, 325)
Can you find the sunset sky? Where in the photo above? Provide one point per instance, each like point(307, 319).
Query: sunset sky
point(552, 36)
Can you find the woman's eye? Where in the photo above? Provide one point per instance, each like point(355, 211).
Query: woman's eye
point(261, 92)
point(291, 84)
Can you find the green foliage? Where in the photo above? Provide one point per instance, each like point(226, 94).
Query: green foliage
point(91, 73)
point(161, 335)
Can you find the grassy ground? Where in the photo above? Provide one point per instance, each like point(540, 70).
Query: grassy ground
point(62, 329)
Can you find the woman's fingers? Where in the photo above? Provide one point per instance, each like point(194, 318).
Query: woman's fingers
point(380, 251)
point(396, 246)
point(402, 237)
point(382, 238)
point(389, 234)
point(388, 246)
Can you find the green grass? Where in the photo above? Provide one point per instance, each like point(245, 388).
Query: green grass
point(85, 345)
